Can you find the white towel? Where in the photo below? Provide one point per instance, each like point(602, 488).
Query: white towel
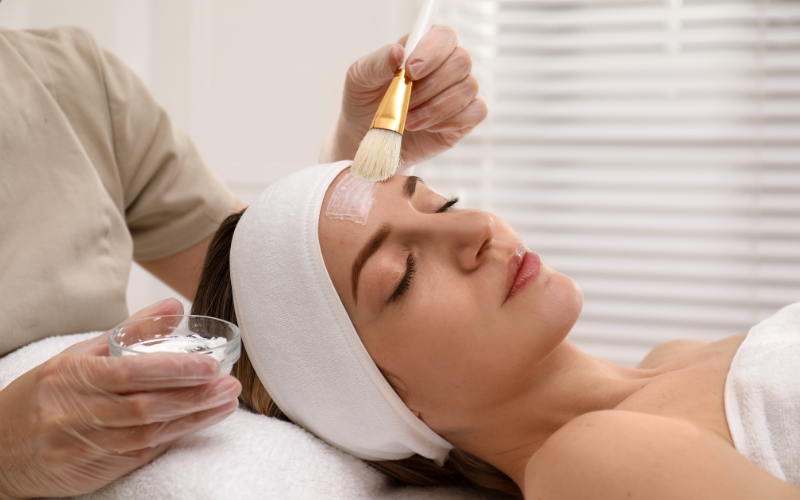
point(762, 395)
point(247, 456)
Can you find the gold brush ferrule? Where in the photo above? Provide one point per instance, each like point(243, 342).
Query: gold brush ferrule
point(392, 112)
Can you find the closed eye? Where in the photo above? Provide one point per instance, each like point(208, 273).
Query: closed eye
point(448, 204)
point(405, 283)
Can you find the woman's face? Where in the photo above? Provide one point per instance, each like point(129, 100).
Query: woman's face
point(444, 302)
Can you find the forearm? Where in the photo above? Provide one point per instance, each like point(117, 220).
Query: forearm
point(181, 271)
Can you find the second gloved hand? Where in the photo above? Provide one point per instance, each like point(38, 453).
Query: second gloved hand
point(83, 419)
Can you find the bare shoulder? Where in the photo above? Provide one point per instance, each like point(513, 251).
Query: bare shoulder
point(671, 348)
point(619, 454)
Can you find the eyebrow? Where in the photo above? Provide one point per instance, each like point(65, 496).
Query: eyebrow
point(370, 248)
point(411, 185)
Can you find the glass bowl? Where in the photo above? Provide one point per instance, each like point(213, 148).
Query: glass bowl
point(182, 334)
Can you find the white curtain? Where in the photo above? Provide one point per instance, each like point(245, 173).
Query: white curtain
point(648, 149)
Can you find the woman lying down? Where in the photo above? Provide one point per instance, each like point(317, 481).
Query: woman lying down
point(430, 342)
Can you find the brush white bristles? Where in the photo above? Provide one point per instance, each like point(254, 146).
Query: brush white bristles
point(378, 155)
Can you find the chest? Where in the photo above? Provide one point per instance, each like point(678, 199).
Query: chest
point(691, 388)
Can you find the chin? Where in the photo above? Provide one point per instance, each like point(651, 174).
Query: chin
point(570, 290)
point(568, 297)
point(562, 305)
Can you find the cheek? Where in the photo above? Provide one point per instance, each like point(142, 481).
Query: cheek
point(441, 343)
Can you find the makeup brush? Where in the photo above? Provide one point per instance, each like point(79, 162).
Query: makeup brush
point(378, 155)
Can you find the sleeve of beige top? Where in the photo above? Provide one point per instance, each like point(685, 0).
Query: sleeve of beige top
point(172, 199)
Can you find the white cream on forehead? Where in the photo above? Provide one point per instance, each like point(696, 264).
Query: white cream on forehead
point(352, 199)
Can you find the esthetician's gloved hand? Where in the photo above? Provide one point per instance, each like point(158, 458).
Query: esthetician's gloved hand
point(83, 419)
point(444, 106)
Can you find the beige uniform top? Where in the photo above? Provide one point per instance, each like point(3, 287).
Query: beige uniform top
point(92, 174)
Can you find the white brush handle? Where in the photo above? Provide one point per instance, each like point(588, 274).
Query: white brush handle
point(423, 25)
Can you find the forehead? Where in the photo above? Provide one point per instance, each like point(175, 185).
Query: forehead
point(351, 199)
point(386, 195)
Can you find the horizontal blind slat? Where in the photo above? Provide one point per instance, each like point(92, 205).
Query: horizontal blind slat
point(653, 14)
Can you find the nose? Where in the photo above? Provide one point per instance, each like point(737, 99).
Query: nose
point(469, 234)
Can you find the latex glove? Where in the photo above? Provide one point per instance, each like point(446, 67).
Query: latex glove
point(444, 106)
point(82, 419)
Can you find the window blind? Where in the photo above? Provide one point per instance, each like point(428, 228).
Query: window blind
point(648, 149)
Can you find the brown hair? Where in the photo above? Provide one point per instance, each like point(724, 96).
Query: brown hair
point(215, 298)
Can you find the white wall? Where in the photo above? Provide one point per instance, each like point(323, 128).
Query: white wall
point(256, 83)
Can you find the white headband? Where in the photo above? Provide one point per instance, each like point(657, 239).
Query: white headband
point(299, 337)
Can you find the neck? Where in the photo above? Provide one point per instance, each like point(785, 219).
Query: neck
point(566, 385)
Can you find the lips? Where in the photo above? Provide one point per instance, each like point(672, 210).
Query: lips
point(523, 267)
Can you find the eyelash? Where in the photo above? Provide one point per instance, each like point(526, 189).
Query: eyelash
point(446, 207)
point(411, 267)
point(405, 283)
